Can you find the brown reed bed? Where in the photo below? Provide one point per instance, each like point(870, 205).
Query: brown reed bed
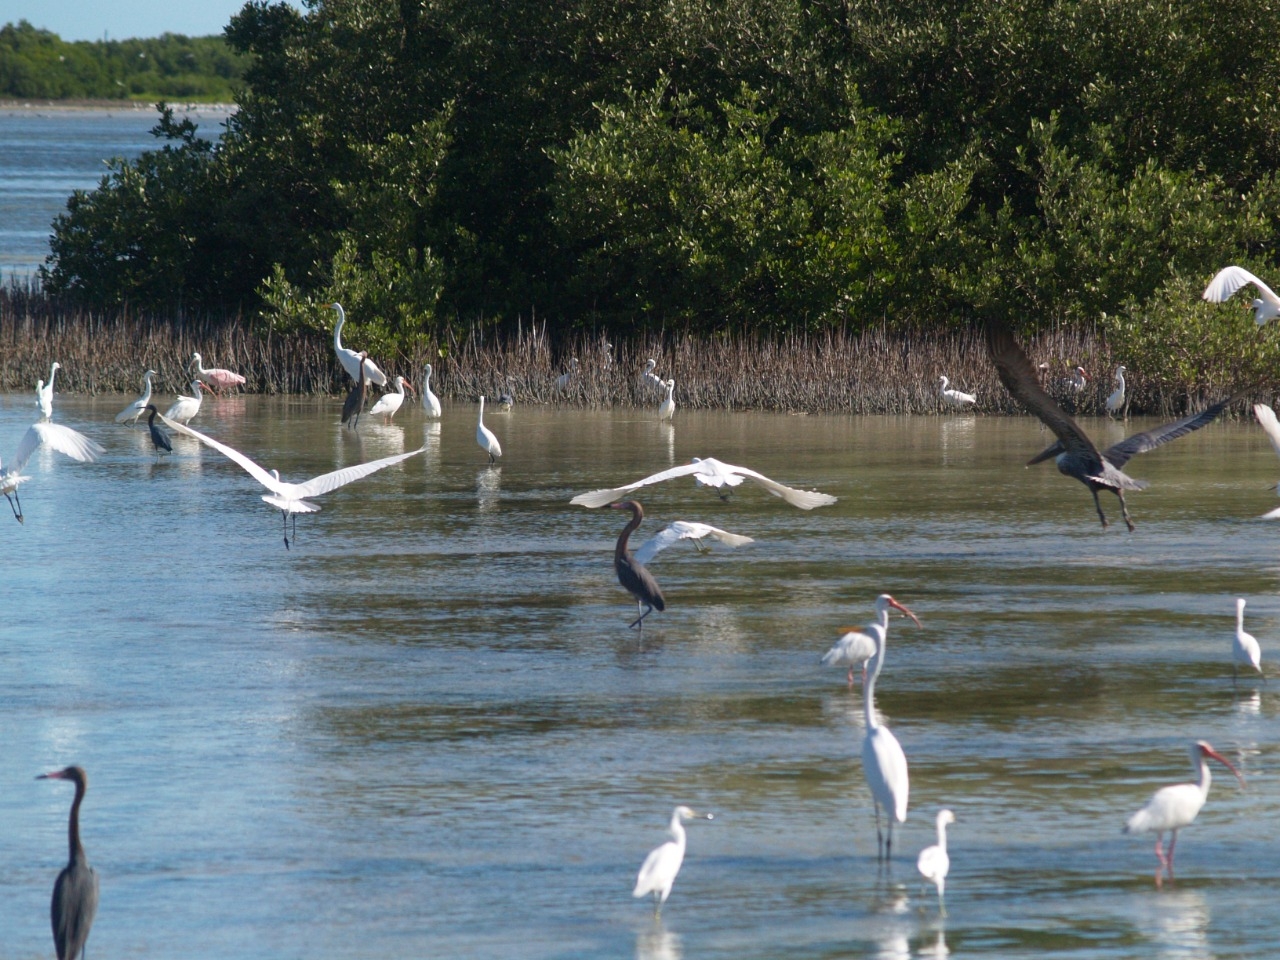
point(874, 371)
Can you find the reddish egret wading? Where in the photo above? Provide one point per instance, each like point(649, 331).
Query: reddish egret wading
point(75, 893)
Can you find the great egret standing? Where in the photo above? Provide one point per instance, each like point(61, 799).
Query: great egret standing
point(44, 391)
point(1245, 650)
point(633, 576)
point(430, 402)
point(485, 437)
point(661, 866)
point(667, 409)
point(136, 409)
point(650, 379)
point(954, 397)
point(349, 359)
point(75, 892)
point(710, 472)
point(1230, 279)
point(219, 377)
point(933, 863)
point(389, 403)
point(184, 407)
point(855, 647)
point(63, 439)
point(1115, 402)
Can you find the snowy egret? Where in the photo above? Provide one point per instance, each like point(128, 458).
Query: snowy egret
point(75, 892)
point(44, 391)
point(710, 472)
point(686, 530)
point(1115, 402)
point(184, 407)
point(650, 379)
point(63, 439)
point(430, 402)
point(484, 436)
point(660, 867)
point(1244, 647)
point(219, 378)
point(667, 409)
point(1230, 279)
point(855, 647)
point(954, 397)
point(136, 409)
point(389, 403)
point(933, 863)
point(632, 574)
point(350, 360)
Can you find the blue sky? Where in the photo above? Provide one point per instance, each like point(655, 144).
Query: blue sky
point(121, 19)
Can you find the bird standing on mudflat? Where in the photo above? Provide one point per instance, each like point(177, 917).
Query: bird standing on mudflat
point(75, 893)
point(632, 574)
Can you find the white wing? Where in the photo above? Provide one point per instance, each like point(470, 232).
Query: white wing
point(601, 498)
point(249, 467)
point(804, 499)
point(1230, 279)
point(684, 530)
point(1267, 417)
point(340, 478)
point(63, 439)
point(659, 869)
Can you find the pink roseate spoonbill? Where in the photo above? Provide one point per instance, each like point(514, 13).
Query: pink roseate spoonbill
point(136, 409)
point(354, 404)
point(686, 530)
point(667, 409)
point(1172, 808)
point(430, 402)
point(1244, 646)
point(219, 378)
point(660, 868)
point(954, 397)
point(710, 472)
point(855, 647)
point(75, 893)
point(44, 392)
point(883, 762)
point(159, 439)
point(63, 439)
point(290, 498)
point(485, 437)
point(566, 378)
point(184, 407)
point(1230, 279)
point(933, 863)
point(1074, 452)
point(1115, 402)
point(389, 403)
point(350, 360)
point(633, 576)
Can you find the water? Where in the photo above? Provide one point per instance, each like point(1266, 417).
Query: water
point(426, 730)
point(46, 154)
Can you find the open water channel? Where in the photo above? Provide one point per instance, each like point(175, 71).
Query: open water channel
point(427, 731)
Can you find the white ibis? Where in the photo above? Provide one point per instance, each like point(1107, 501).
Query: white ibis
point(1115, 402)
point(63, 439)
point(389, 403)
point(667, 409)
point(44, 392)
point(1244, 646)
point(1172, 808)
point(633, 576)
point(430, 402)
point(954, 397)
point(855, 647)
point(184, 407)
point(349, 359)
point(1074, 452)
point(933, 863)
point(75, 892)
point(136, 409)
point(686, 530)
point(485, 437)
point(1230, 279)
point(219, 378)
point(661, 866)
point(710, 472)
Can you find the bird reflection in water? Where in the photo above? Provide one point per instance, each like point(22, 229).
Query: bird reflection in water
point(488, 488)
point(1179, 926)
point(1250, 705)
point(936, 948)
point(658, 943)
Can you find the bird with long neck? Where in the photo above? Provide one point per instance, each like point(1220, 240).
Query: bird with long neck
point(934, 863)
point(44, 392)
point(486, 438)
point(633, 576)
point(159, 439)
point(75, 893)
point(856, 647)
point(354, 404)
point(1244, 647)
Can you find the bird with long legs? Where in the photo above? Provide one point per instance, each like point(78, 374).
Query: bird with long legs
point(667, 409)
point(389, 403)
point(1075, 454)
point(633, 576)
point(430, 402)
point(218, 378)
point(354, 404)
point(44, 392)
point(1245, 650)
point(70, 442)
point(1115, 402)
point(1230, 279)
point(679, 530)
point(856, 647)
point(710, 472)
point(486, 438)
point(159, 439)
point(183, 407)
point(953, 397)
point(1174, 807)
point(662, 865)
point(934, 863)
point(350, 360)
point(883, 762)
point(290, 498)
point(136, 409)
point(75, 892)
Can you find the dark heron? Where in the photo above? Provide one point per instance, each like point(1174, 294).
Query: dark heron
point(159, 439)
point(632, 574)
point(1075, 453)
point(75, 894)
point(353, 406)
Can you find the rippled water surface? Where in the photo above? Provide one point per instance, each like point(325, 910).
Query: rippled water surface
point(427, 731)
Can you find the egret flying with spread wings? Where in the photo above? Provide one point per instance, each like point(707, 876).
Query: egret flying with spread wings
point(711, 473)
point(1074, 452)
point(63, 439)
point(1230, 279)
point(685, 530)
point(290, 498)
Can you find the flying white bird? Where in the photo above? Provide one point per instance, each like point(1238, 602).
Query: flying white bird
point(685, 530)
point(44, 391)
point(658, 872)
point(136, 409)
point(350, 359)
point(954, 397)
point(667, 409)
point(710, 473)
point(289, 498)
point(1245, 650)
point(1174, 807)
point(1230, 279)
point(219, 378)
point(1115, 402)
point(184, 408)
point(485, 437)
point(389, 403)
point(933, 863)
point(63, 439)
point(855, 647)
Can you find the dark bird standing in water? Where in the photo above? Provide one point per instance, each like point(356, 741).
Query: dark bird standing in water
point(159, 439)
point(75, 894)
point(353, 406)
point(632, 574)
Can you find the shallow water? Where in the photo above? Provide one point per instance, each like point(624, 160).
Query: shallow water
point(426, 729)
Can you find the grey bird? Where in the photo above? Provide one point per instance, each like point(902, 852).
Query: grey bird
point(75, 893)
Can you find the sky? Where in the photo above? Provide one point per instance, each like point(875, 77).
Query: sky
point(123, 19)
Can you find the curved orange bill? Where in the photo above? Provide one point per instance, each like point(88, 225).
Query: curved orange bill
point(897, 606)
point(1208, 751)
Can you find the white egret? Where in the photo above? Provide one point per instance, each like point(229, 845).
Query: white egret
point(484, 436)
point(650, 379)
point(63, 439)
point(219, 378)
point(954, 397)
point(1245, 650)
point(290, 498)
point(1267, 418)
point(430, 402)
point(933, 863)
point(44, 391)
point(855, 647)
point(136, 409)
point(1115, 402)
point(184, 407)
point(1230, 279)
point(667, 409)
point(563, 381)
point(710, 472)
point(883, 762)
point(660, 867)
point(686, 530)
point(389, 403)
point(1174, 807)
point(350, 359)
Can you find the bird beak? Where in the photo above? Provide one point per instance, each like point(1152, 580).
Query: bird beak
point(897, 606)
point(1210, 752)
point(58, 775)
point(409, 386)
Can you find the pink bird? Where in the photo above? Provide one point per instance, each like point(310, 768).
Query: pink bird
point(218, 378)
point(1174, 807)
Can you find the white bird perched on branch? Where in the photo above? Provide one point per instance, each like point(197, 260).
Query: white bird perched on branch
point(63, 439)
point(1230, 279)
point(350, 359)
point(710, 472)
point(954, 397)
point(660, 867)
point(1244, 646)
point(44, 391)
point(136, 409)
point(685, 530)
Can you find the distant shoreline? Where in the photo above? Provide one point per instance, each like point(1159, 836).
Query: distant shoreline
point(34, 104)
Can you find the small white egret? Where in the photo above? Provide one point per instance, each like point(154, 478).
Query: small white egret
point(710, 472)
point(660, 867)
point(184, 407)
point(485, 438)
point(63, 439)
point(44, 392)
point(563, 381)
point(1245, 650)
point(1174, 807)
point(686, 530)
point(667, 409)
point(350, 359)
point(933, 863)
point(650, 379)
point(954, 397)
point(430, 402)
point(136, 409)
point(389, 403)
point(1230, 279)
point(855, 647)
point(219, 378)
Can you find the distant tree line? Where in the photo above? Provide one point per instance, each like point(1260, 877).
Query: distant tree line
point(717, 165)
point(38, 64)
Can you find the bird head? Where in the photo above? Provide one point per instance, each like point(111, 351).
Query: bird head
point(1201, 749)
point(688, 813)
point(945, 816)
point(884, 600)
point(74, 774)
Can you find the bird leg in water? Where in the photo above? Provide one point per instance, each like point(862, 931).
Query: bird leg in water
point(17, 511)
point(1124, 509)
point(1098, 505)
point(1173, 842)
point(639, 621)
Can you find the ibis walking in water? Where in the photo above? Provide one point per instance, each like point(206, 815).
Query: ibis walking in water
point(63, 439)
point(1074, 452)
point(933, 863)
point(1244, 646)
point(1172, 808)
point(710, 472)
point(1230, 279)
point(855, 647)
point(75, 893)
point(389, 403)
point(632, 574)
point(660, 867)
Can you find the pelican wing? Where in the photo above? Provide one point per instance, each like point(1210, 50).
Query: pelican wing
point(1230, 279)
point(63, 439)
point(340, 478)
point(602, 498)
point(1019, 378)
point(1267, 417)
point(804, 499)
point(249, 467)
point(684, 530)
point(1119, 454)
